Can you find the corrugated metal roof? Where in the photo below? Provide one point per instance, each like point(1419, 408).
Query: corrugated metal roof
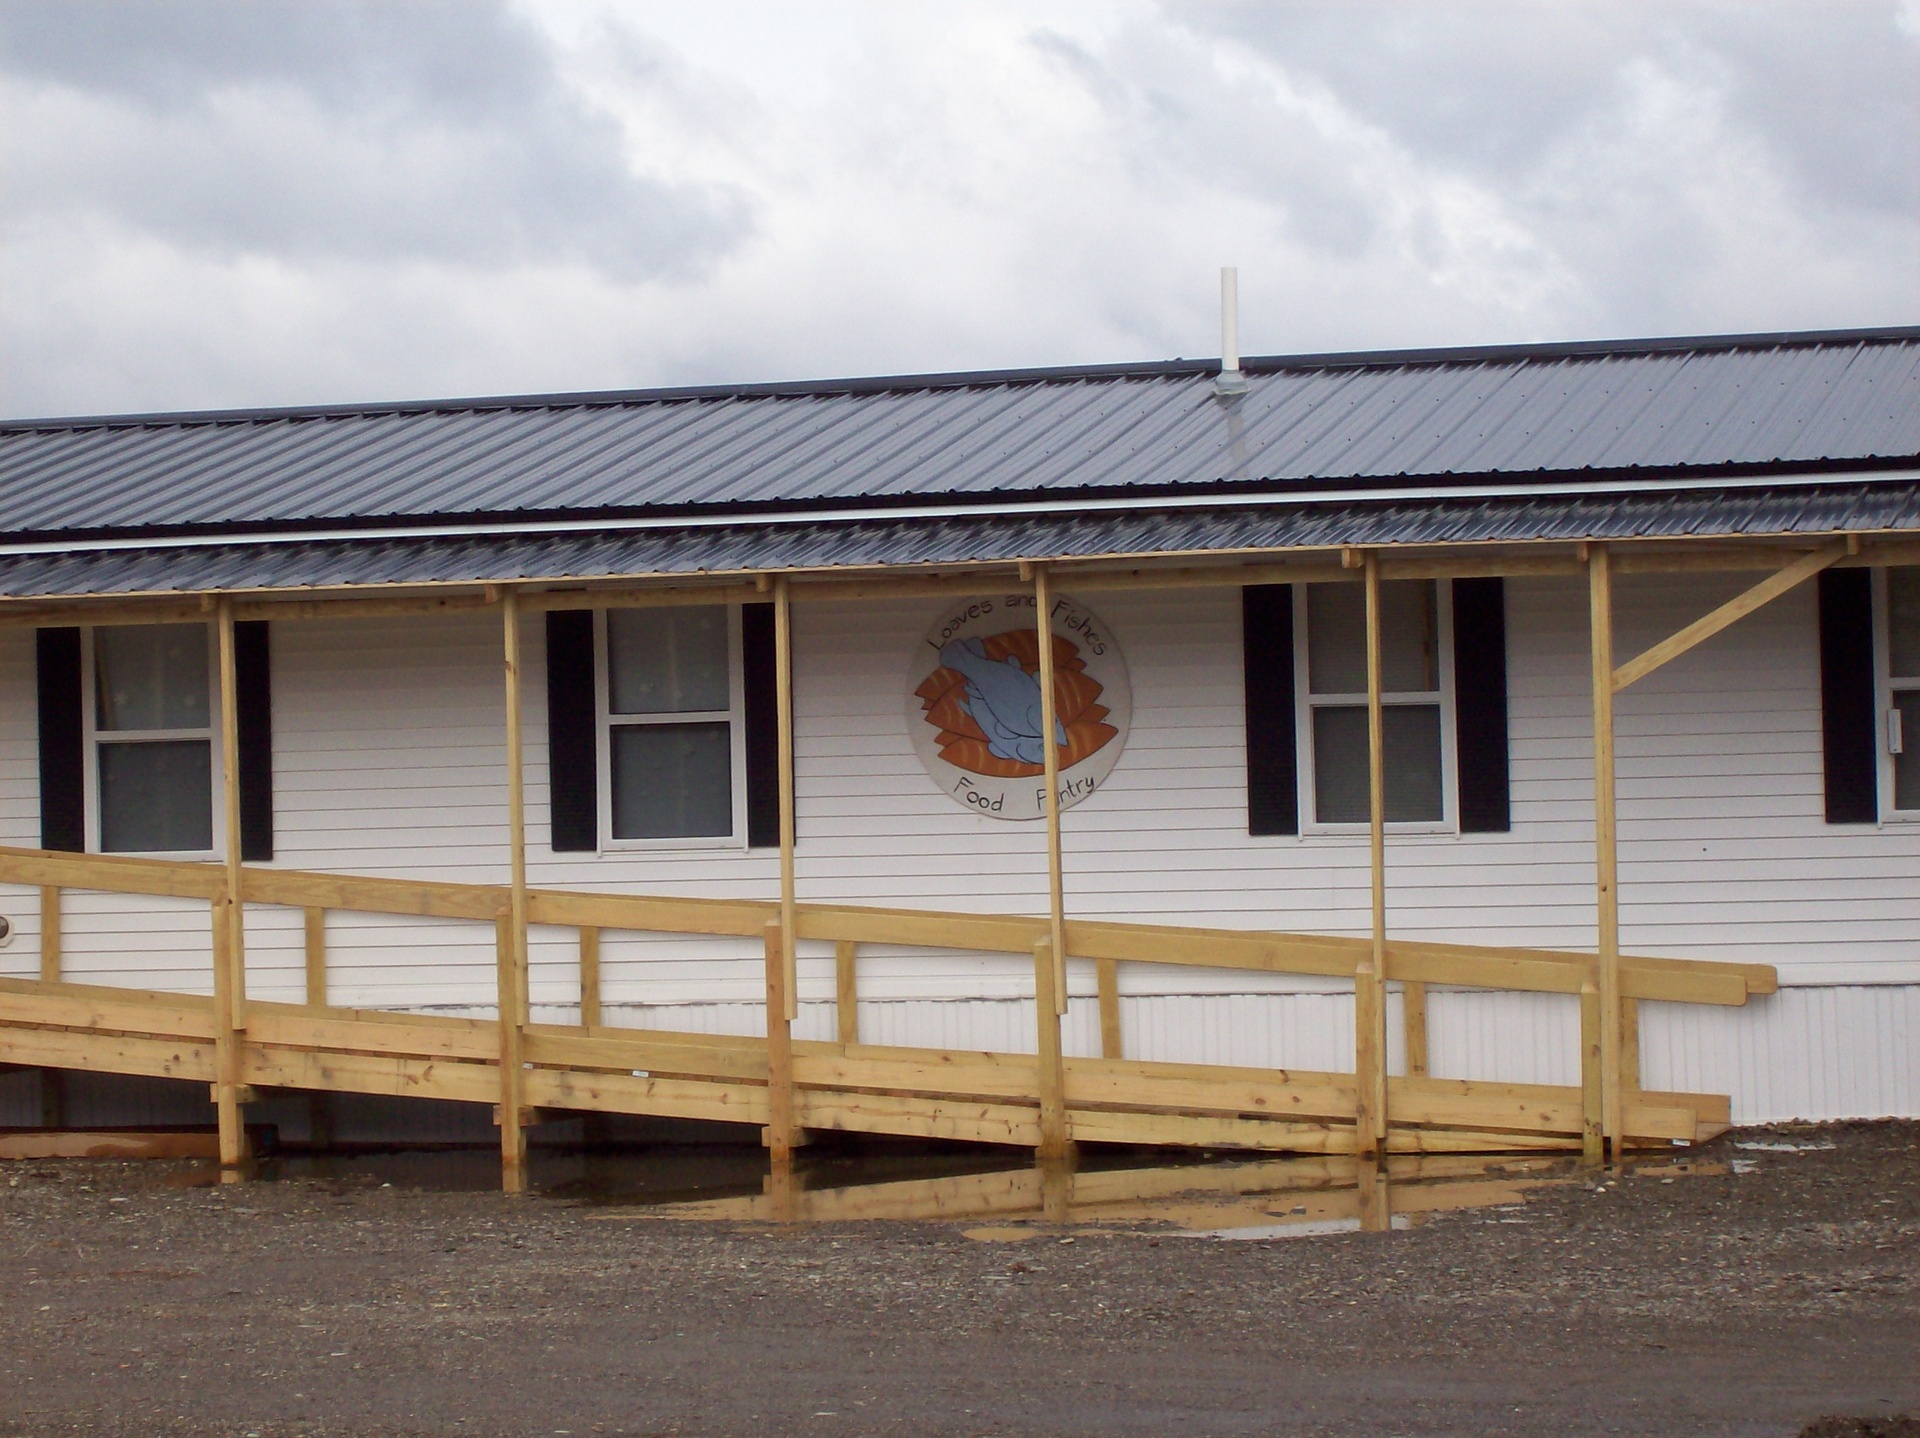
point(1740, 404)
point(1825, 509)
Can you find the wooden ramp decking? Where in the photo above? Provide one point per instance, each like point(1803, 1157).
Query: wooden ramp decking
point(788, 1087)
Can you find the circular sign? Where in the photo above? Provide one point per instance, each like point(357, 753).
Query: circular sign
point(973, 704)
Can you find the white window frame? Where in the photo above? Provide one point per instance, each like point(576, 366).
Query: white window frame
point(1884, 688)
point(94, 737)
point(1305, 702)
point(735, 716)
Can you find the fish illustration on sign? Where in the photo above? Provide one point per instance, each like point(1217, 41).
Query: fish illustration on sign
point(984, 698)
point(1004, 700)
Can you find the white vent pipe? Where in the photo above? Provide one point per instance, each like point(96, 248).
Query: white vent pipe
point(1230, 381)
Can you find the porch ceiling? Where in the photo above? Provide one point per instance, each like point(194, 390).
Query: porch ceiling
point(1890, 506)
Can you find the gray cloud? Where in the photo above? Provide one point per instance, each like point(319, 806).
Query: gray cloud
point(247, 203)
point(434, 129)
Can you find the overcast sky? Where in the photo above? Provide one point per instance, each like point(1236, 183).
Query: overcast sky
point(214, 203)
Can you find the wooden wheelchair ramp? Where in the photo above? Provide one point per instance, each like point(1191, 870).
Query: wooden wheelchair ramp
point(789, 1087)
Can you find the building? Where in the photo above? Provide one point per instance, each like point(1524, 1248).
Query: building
point(321, 602)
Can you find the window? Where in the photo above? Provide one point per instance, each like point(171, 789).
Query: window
point(150, 735)
point(1901, 700)
point(1415, 682)
point(671, 731)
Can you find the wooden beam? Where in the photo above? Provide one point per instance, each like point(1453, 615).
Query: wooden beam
point(846, 992)
point(511, 941)
point(783, 704)
point(1592, 1118)
point(49, 933)
point(1369, 1062)
point(316, 954)
point(1741, 605)
point(616, 595)
point(227, 913)
point(1055, 1138)
point(779, 1135)
point(1106, 978)
point(1605, 842)
point(589, 976)
point(1629, 1035)
point(1371, 1048)
point(1050, 770)
point(1413, 1020)
point(1373, 1194)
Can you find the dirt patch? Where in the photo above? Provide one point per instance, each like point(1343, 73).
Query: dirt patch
point(1898, 1426)
point(1713, 1302)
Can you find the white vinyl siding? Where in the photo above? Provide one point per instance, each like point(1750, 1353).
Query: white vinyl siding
point(390, 759)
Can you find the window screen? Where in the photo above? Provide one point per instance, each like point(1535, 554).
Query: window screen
point(1413, 755)
point(153, 740)
point(670, 720)
point(1903, 684)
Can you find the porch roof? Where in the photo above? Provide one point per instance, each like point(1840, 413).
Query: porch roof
point(837, 465)
point(1888, 506)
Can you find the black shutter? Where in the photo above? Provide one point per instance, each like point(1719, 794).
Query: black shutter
point(63, 804)
point(1273, 778)
point(762, 698)
point(253, 718)
point(1847, 702)
point(1480, 704)
point(573, 780)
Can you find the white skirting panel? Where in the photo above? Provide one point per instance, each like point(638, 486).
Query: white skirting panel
point(1812, 1053)
point(1806, 1053)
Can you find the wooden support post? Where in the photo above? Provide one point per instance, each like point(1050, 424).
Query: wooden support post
point(511, 936)
point(1370, 1050)
point(783, 690)
point(1413, 1018)
point(1630, 1045)
point(226, 1042)
point(1605, 842)
point(53, 1083)
point(1056, 1189)
point(49, 934)
point(316, 935)
point(229, 931)
point(1369, 1061)
point(1374, 1193)
point(589, 976)
point(1592, 1122)
point(53, 1098)
point(778, 1136)
point(784, 1197)
point(846, 992)
point(1055, 1139)
point(1050, 765)
point(1106, 977)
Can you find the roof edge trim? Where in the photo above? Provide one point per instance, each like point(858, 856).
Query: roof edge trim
point(1007, 510)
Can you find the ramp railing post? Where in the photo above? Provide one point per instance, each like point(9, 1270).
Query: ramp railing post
point(229, 933)
point(778, 1136)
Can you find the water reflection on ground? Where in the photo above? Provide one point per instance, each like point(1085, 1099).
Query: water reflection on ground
point(999, 1195)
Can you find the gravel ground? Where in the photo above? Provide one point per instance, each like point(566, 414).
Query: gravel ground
point(1758, 1302)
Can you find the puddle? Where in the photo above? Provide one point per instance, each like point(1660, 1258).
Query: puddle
point(1000, 1196)
point(1242, 1199)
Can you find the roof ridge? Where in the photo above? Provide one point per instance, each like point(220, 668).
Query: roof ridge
point(1178, 368)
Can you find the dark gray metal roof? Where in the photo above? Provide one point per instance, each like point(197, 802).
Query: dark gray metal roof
point(1741, 405)
point(733, 548)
